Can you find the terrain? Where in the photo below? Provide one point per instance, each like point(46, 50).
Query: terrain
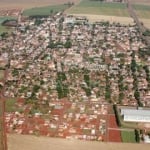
point(24, 142)
point(95, 10)
point(30, 3)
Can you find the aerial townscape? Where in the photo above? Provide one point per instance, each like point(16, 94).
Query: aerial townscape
point(64, 76)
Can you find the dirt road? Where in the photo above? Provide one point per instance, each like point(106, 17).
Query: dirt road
point(25, 142)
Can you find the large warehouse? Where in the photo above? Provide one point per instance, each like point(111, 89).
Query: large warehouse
point(135, 115)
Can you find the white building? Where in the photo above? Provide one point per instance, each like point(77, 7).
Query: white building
point(135, 115)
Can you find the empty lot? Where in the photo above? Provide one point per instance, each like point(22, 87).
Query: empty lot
point(24, 142)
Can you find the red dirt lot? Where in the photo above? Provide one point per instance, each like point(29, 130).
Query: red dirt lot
point(114, 135)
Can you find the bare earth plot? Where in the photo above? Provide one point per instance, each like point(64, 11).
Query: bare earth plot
point(30, 3)
point(24, 142)
point(94, 18)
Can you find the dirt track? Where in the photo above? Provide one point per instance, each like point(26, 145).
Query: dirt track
point(24, 142)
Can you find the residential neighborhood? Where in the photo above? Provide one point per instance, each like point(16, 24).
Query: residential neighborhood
point(65, 74)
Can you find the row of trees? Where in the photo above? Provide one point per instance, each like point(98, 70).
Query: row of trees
point(135, 80)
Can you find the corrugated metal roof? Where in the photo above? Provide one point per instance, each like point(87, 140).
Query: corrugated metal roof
point(135, 112)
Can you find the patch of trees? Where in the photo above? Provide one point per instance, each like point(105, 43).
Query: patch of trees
point(137, 136)
point(117, 115)
point(61, 87)
point(8, 21)
point(38, 16)
point(108, 89)
point(144, 52)
point(135, 80)
point(67, 44)
point(38, 21)
point(147, 75)
point(146, 33)
point(87, 88)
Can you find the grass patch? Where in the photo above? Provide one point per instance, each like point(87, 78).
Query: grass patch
point(3, 28)
point(99, 8)
point(47, 10)
point(2, 19)
point(128, 136)
point(10, 105)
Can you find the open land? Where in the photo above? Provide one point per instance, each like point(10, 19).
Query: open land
point(100, 8)
point(44, 10)
point(94, 18)
point(24, 142)
point(99, 11)
point(30, 3)
point(3, 28)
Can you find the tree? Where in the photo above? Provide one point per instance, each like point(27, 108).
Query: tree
point(137, 136)
point(68, 44)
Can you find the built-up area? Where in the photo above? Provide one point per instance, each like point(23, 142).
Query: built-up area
point(65, 74)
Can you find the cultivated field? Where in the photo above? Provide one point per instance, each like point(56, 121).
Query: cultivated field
point(44, 10)
point(147, 2)
point(143, 11)
point(31, 3)
point(24, 142)
point(3, 28)
point(99, 8)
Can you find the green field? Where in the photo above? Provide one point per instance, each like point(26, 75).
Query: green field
point(143, 11)
point(128, 136)
point(47, 10)
point(3, 28)
point(99, 8)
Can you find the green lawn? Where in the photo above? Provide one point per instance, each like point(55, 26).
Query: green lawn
point(2, 19)
point(99, 8)
point(143, 11)
point(3, 28)
point(44, 10)
point(128, 136)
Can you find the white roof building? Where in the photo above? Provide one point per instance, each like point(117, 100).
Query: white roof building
point(135, 115)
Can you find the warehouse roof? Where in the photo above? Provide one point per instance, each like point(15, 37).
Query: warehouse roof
point(135, 112)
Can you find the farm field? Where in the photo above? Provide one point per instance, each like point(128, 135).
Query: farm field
point(142, 11)
point(25, 142)
point(44, 10)
point(99, 8)
point(146, 2)
point(30, 3)
point(128, 136)
point(3, 28)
